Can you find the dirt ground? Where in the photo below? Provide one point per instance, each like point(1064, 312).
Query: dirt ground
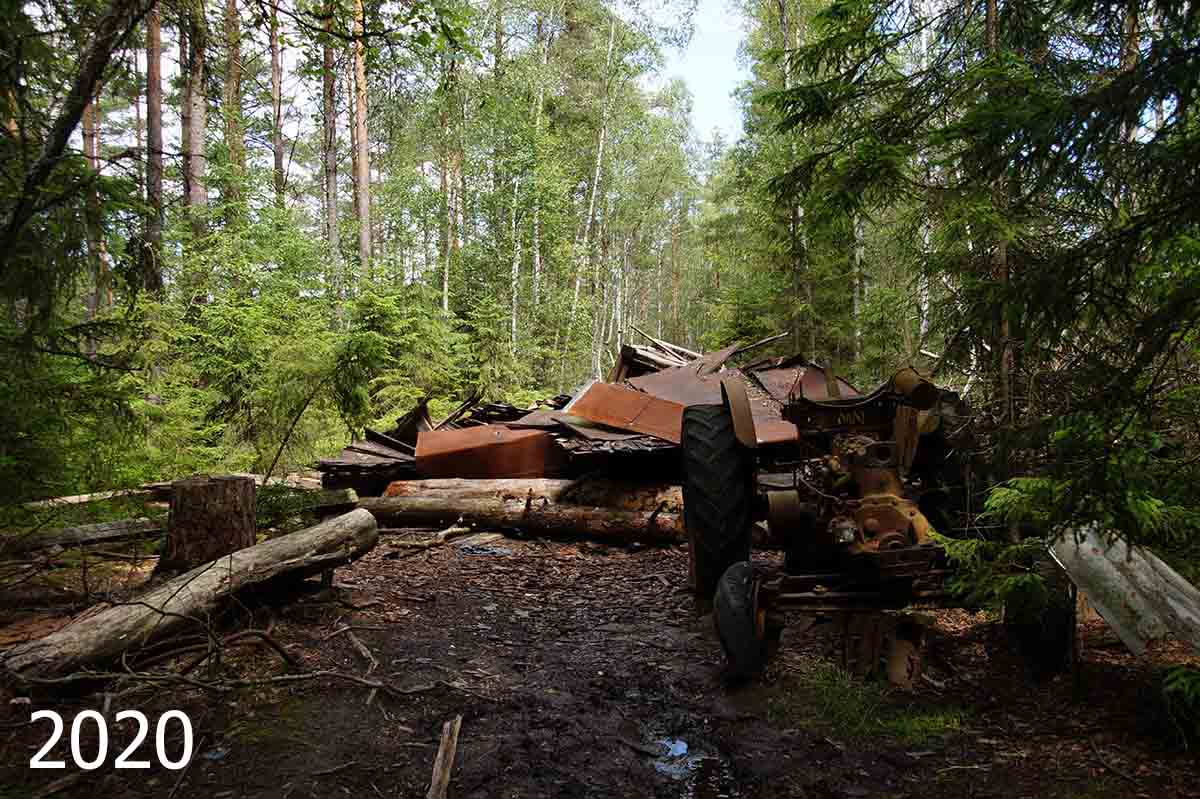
point(584, 671)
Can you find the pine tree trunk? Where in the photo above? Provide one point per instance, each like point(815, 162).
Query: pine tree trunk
point(515, 277)
point(352, 276)
point(152, 256)
point(363, 166)
point(329, 162)
point(95, 245)
point(1000, 255)
point(209, 518)
point(857, 279)
point(277, 106)
point(232, 101)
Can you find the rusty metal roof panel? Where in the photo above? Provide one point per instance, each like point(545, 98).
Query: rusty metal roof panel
point(488, 451)
point(1141, 598)
point(628, 409)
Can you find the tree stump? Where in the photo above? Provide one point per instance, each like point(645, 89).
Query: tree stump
point(209, 517)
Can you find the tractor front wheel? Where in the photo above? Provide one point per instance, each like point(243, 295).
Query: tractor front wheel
point(735, 611)
point(718, 495)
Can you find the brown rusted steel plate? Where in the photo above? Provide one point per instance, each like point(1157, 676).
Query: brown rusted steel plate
point(594, 432)
point(682, 385)
point(780, 380)
point(537, 420)
point(488, 451)
point(773, 431)
point(628, 409)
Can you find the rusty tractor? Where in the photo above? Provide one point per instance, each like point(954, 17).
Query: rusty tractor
point(842, 498)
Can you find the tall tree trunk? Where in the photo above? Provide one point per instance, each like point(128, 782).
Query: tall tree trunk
point(584, 255)
point(329, 160)
point(1000, 256)
point(802, 287)
point(152, 256)
point(185, 113)
point(95, 235)
point(542, 42)
point(351, 103)
point(676, 224)
point(857, 279)
point(277, 105)
point(232, 102)
point(449, 176)
point(515, 277)
point(363, 183)
point(197, 121)
point(139, 129)
point(1129, 55)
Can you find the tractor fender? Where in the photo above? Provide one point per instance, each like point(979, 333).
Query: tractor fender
point(733, 394)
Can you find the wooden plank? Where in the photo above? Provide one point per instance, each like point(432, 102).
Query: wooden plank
point(628, 409)
point(379, 450)
point(100, 496)
point(444, 762)
point(376, 437)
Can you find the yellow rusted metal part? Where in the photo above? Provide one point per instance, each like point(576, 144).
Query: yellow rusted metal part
point(921, 393)
point(785, 513)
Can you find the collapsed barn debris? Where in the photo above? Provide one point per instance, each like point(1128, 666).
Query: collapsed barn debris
point(629, 425)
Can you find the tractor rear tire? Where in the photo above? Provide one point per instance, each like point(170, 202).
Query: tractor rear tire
point(718, 495)
point(737, 625)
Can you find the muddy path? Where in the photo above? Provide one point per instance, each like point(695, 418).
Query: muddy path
point(584, 671)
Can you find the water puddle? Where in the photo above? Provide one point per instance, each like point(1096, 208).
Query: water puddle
point(703, 774)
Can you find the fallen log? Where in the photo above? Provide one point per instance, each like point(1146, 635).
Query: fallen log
point(457, 487)
point(82, 534)
point(540, 518)
point(662, 527)
point(616, 494)
point(105, 632)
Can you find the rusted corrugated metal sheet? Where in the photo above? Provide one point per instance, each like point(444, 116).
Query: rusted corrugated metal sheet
point(628, 409)
point(1141, 598)
point(488, 451)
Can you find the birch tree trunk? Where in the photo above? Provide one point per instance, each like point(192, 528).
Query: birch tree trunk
point(185, 113)
point(197, 121)
point(449, 178)
point(584, 255)
point(542, 42)
point(363, 168)
point(152, 257)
